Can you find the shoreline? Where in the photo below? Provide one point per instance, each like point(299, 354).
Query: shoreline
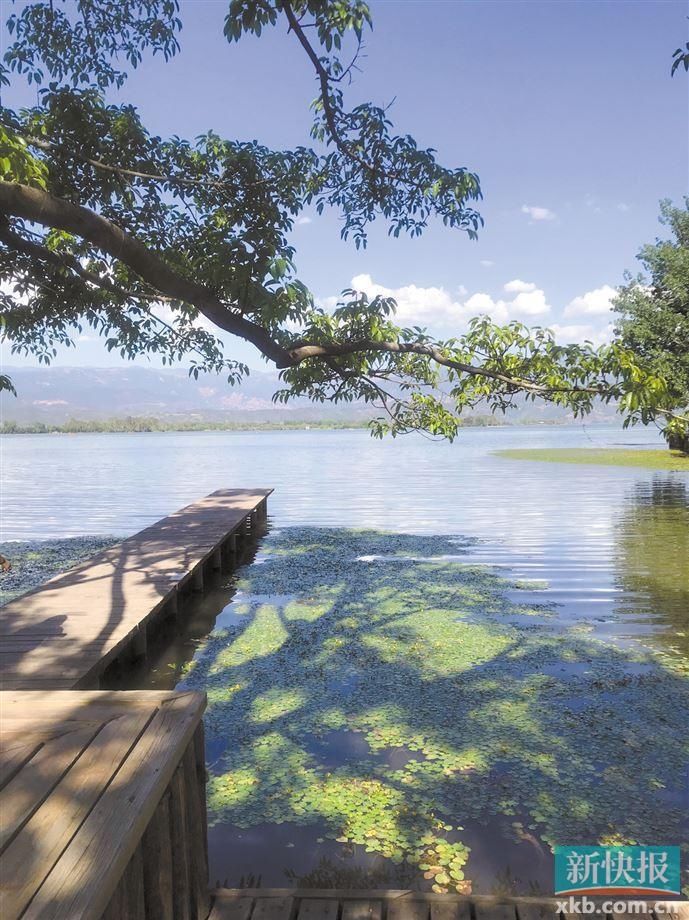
point(155, 426)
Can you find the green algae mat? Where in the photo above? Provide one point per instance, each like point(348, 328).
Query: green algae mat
point(646, 459)
point(383, 688)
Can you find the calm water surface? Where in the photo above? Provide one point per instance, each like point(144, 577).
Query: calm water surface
point(610, 536)
point(612, 545)
point(66, 485)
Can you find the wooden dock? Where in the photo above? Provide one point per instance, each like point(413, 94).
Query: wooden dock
point(330, 904)
point(66, 633)
point(102, 796)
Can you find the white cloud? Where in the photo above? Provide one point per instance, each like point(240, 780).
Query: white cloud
point(530, 303)
point(415, 305)
point(580, 333)
point(593, 303)
point(536, 213)
point(486, 263)
point(519, 287)
point(301, 221)
point(479, 304)
point(622, 206)
point(434, 306)
point(586, 318)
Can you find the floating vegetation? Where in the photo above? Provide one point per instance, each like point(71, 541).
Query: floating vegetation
point(536, 584)
point(373, 687)
point(659, 459)
point(35, 561)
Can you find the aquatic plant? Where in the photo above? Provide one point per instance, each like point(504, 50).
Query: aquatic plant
point(365, 682)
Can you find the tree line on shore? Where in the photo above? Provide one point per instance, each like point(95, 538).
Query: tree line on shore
point(134, 424)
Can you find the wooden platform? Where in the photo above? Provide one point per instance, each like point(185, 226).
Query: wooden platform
point(102, 803)
point(65, 633)
point(330, 904)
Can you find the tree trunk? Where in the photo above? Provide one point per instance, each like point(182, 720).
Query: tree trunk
point(678, 442)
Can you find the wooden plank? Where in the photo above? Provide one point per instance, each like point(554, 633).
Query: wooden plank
point(83, 880)
point(406, 909)
point(494, 910)
point(273, 909)
point(157, 862)
point(38, 684)
point(673, 910)
point(456, 910)
point(362, 910)
point(318, 909)
point(14, 756)
point(542, 911)
point(115, 907)
point(340, 893)
point(25, 793)
point(232, 909)
point(133, 885)
point(201, 779)
point(181, 870)
point(384, 894)
point(63, 633)
point(235, 904)
point(37, 848)
point(196, 834)
point(45, 707)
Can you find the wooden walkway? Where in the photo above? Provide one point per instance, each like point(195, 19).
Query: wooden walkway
point(330, 904)
point(65, 633)
point(102, 800)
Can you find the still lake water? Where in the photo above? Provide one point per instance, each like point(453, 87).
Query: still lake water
point(571, 525)
point(70, 485)
point(612, 544)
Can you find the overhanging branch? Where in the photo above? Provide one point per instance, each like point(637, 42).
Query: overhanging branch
point(329, 111)
point(39, 207)
point(302, 352)
point(217, 183)
point(69, 263)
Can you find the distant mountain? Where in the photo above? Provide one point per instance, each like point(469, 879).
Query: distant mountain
point(54, 395)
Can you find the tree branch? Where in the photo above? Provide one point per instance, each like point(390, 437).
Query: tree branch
point(67, 261)
point(324, 79)
point(673, 415)
point(222, 184)
point(39, 207)
point(302, 352)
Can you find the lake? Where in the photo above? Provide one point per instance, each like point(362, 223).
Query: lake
point(67, 485)
point(507, 672)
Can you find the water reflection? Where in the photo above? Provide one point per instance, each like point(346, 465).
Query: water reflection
point(652, 561)
point(442, 710)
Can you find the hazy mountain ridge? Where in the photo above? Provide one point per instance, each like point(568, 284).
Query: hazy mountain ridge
point(54, 395)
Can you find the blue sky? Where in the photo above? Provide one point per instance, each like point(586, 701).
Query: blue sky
point(566, 110)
